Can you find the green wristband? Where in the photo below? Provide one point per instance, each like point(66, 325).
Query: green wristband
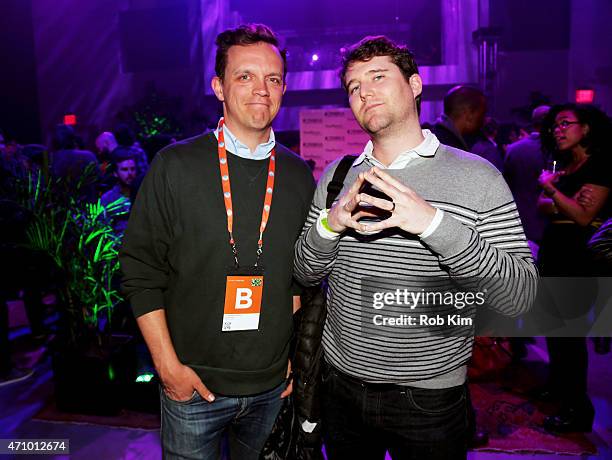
point(326, 225)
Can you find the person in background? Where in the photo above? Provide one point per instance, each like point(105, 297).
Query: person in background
point(68, 164)
point(486, 147)
point(575, 198)
point(507, 134)
point(105, 144)
point(524, 163)
point(123, 168)
point(125, 138)
point(464, 115)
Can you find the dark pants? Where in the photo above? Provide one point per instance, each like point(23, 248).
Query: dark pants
point(363, 421)
point(195, 428)
point(568, 370)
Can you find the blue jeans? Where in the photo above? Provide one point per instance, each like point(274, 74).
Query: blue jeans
point(194, 429)
point(363, 421)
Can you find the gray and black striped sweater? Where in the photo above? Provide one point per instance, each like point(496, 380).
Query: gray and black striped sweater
point(480, 235)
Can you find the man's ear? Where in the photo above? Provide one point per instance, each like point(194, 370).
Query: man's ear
point(217, 87)
point(284, 88)
point(416, 84)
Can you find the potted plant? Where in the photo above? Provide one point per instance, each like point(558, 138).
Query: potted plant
point(78, 236)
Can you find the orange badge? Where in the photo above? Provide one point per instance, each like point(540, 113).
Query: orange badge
point(242, 302)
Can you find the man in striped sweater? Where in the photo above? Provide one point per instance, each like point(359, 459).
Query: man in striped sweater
point(447, 215)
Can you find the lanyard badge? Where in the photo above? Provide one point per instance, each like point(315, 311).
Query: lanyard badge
point(243, 294)
point(243, 289)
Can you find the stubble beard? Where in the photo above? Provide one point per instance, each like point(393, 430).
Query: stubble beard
point(378, 125)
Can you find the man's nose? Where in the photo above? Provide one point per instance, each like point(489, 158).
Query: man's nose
point(365, 90)
point(261, 88)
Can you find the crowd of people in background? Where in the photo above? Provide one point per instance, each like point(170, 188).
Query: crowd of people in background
point(116, 161)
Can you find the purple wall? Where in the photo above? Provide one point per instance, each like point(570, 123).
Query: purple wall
point(78, 58)
point(590, 58)
point(78, 53)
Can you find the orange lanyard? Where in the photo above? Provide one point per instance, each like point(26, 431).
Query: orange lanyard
point(227, 196)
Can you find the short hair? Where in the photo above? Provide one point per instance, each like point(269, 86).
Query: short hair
point(379, 45)
point(244, 35)
point(538, 115)
point(461, 98)
point(119, 155)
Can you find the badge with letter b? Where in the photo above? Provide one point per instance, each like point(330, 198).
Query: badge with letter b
point(242, 307)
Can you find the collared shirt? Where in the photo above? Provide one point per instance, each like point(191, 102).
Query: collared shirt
point(427, 148)
point(233, 145)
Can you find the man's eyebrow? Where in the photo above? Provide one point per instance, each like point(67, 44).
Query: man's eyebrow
point(369, 72)
point(243, 70)
point(376, 71)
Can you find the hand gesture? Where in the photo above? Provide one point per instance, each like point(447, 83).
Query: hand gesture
point(342, 215)
point(408, 210)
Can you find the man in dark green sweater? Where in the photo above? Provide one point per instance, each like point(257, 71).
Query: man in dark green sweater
point(208, 258)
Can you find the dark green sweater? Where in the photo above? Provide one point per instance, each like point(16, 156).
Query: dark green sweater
point(176, 254)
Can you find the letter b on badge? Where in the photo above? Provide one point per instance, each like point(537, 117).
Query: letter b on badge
point(242, 307)
point(244, 298)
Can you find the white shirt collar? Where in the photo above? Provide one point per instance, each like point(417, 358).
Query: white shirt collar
point(233, 145)
point(427, 148)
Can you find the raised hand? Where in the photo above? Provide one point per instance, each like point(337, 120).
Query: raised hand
point(548, 179)
point(342, 216)
point(408, 210)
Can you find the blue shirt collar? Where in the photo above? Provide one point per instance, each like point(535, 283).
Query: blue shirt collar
point(233, 145)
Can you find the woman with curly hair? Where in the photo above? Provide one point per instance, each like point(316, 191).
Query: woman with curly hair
point(575, 198)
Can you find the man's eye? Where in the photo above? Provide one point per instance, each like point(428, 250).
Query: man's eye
point(244, 77)
point(353, 89)
point(276, 81)
point(378, 77)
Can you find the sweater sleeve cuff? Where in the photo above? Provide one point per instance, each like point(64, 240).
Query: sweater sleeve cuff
point(320, 243)
point(450, 238)
point(435, 223)
point(324, 232)
point(147, 301)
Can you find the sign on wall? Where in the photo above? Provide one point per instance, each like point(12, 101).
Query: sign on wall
point(328, 134)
